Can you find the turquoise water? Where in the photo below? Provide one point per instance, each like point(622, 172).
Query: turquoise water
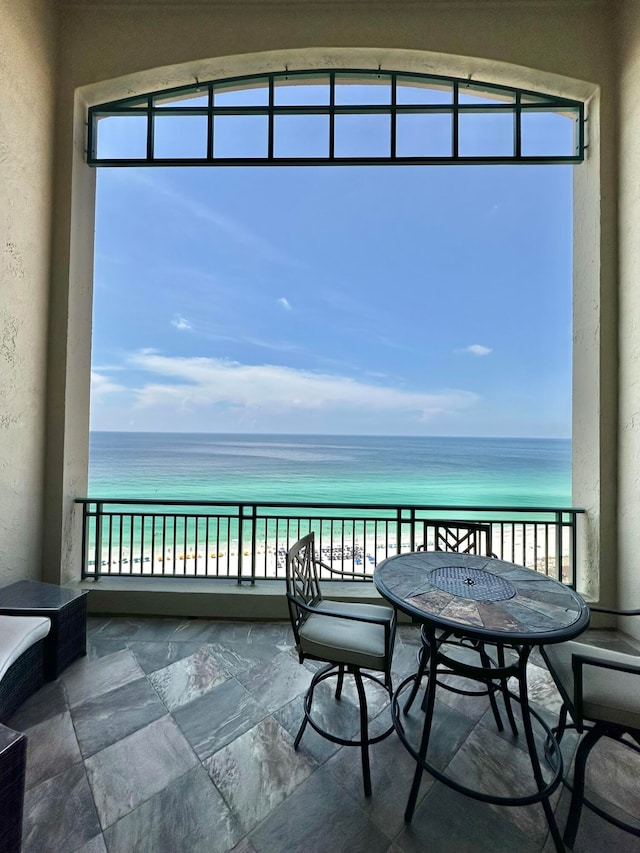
point(334, 469)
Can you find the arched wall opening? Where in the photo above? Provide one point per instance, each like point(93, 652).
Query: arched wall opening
point(593, 426)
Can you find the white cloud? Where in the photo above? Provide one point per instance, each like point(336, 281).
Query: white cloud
point(181, 323)
point(478, 349)
point(284, 302)
point(101, 385)
point(200, 383)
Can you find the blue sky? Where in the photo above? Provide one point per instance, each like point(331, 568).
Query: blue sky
point(356, 300)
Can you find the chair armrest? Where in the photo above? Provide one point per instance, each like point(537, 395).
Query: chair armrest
point(337, 614)
point(342, 571)
point(614, 612)
point(580, 662)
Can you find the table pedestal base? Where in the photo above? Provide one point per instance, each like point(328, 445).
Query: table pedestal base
point(495, 678)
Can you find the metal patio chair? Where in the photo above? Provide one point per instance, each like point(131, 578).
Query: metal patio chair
point(600, 691)
point(349, 637)
point(464, 538)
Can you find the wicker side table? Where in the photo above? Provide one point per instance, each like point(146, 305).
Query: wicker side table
point(67, 609)
point(13, 761)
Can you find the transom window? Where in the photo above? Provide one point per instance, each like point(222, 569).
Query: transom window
point(349, 117)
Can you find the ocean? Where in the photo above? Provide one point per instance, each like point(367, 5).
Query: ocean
point(505, 472)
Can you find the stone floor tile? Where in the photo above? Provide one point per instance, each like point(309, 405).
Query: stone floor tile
point(112, 716)
point(86, 680)
point(95, 845)
point(392, 771)
point(51, 748)
point(215, 719)
point(446, 821)
point(276, 683)
point(153, 655)
point(59, 814)
point(130, 771)
point(319, 818)
point(258, 770)
point(47, 702)
point(188, 815)
point(188, 678)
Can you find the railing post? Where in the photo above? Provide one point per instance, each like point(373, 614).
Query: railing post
point(98, 548)
point(559, 532)
point(240, 541)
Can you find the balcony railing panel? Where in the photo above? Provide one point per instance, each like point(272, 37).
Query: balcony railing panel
point(249, 541)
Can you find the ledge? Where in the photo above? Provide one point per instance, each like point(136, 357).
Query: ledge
point(217, 599)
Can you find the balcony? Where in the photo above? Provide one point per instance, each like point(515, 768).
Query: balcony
point(178, 735)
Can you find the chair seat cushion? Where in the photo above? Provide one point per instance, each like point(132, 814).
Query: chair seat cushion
point(608, 695)
point(17, 634)
point(346, 641)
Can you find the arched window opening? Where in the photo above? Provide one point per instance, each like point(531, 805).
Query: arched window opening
point(337, 117)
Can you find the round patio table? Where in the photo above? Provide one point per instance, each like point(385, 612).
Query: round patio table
point(480, 601)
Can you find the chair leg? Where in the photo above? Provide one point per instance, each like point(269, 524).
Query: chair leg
point(340, 681)
point(423, 660)
point(585, 747)
point(364, 732)
point(484, 658)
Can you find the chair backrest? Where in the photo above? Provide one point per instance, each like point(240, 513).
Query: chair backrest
point(302, 579)
point(462, 537)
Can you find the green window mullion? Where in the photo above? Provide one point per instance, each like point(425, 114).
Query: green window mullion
point(394, 114)
point(332, 114)
point(210, 127)
point(455, 133)
point(150, 128)
point(517, 127)
point(271, 104)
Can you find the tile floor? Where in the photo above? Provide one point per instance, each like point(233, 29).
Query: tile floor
point(177, 735)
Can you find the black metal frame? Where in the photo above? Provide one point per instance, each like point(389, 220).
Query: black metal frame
point(509, 101)
point(112, 524)
point(303, 601)
point(593, 730)
point(489, 675)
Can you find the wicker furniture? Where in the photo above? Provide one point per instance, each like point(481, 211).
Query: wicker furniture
point(348, 637)
point(22, 641)
point(600, 689)
point(67, 609)
point(13, 760)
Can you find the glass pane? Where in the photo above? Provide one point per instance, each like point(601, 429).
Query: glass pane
point(354, 89)
point(470, 94)
point(122, 137)
point(362, 135)
point(301, 136)
point(548, 133)
point(486, 134)
point(183, 99)
point(301, 91)
point(410, 91)
point(249, 93)
point(240, 136)
point(424, 135)
point(180, 136)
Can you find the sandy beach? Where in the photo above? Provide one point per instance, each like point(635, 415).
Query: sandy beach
point(525, 544)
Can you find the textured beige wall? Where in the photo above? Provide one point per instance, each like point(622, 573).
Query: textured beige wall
point(110, 49)
point(27, 63)
point(629, 369)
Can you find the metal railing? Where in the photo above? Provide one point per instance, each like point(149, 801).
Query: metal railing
point(247, 541)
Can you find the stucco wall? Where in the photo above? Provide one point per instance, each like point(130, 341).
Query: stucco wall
point(27, 63)
point(629, 208)
point(112, 49)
